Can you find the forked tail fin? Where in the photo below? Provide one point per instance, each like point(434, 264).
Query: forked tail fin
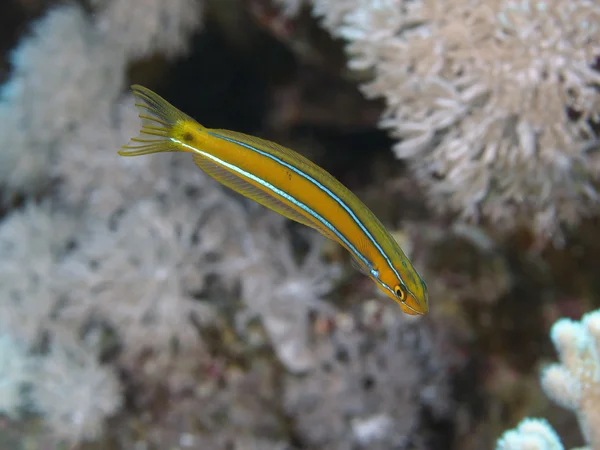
point(161, 124)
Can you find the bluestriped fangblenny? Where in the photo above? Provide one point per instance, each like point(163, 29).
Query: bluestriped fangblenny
point(287, 183)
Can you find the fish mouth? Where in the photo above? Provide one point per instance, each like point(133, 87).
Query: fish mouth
point(414, 307)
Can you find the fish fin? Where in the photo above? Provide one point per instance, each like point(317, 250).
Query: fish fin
point(359, 265)
point(161, 122)
point(241, 186)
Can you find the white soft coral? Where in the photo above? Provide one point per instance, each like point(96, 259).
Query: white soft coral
point(281, 291)
point(477, 94)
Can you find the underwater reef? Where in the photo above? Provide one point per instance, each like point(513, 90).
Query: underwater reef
point(145, 306)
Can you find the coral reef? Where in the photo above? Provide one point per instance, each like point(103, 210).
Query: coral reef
point(16, 369)
point(142, 305)
point(573, 384)
point(533, 434)
point(369, 368)
point(478, 95)
point(73, 64)
point(70, 369)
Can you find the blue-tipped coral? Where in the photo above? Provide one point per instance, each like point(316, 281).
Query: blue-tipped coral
point(530, 434)
point(575, 382)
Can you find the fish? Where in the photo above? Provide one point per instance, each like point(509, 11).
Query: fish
point(287, 183)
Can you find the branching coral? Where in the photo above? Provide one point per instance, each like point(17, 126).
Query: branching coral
point(531, 434)
point(477, 93)
point(573, 384)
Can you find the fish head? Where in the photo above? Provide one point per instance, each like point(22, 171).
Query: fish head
point(403, 284)
point(411, 303)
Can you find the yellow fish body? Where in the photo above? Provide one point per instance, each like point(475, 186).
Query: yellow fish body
point(287, 183)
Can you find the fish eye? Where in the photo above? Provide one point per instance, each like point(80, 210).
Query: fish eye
point(400, 293)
